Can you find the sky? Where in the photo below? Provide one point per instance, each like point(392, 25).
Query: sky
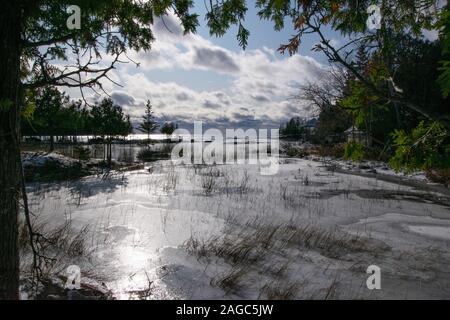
point(198, 77)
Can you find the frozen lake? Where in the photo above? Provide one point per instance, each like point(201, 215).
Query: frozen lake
point(225, 231)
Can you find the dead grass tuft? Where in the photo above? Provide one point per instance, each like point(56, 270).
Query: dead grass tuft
point(277, 290)
point(229, 281)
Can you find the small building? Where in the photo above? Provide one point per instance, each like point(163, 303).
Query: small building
point(355, 135)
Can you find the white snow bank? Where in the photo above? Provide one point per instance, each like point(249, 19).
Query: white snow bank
point(432, 231)
point(40, 158)
point(370, 166)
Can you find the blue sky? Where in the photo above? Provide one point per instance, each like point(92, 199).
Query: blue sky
point(199, 77)
point(262, 34)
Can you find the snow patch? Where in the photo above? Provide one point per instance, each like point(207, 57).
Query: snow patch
point(432, 231)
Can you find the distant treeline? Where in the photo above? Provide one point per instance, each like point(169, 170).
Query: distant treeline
point(51, 113)
point(360, 108)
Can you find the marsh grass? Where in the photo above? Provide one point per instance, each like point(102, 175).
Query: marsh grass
point(280, 290)
point(171, 181)
point(230, 281)
point(332, 243)
point(62, 239)
point(277, 270)
point(208, 183)
point(244, 184)
point(213, 180)
point(262, 248)
point(331, 293)
point(251, 243)
point(242, 249)
point(60, 245)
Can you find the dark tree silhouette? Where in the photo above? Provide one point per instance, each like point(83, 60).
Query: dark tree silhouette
point(34, 35)
point(110, 122)
point(168, 128)
point(148, 124)
point(293, 129)
point(49, 114)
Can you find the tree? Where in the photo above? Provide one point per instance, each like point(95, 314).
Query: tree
point(349, 18)
point(426, 147)
point(168, 128)
point(34, 35)
point(110, 122)
point(49, 116)
point(325, 97)
point(416, 65)
point(74, 115)
point(333, 122)
point(148, 124)
point(444, 77)
point(293, 129)
point(49, 112)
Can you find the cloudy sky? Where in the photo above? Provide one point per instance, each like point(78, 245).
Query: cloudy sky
point(199, 77)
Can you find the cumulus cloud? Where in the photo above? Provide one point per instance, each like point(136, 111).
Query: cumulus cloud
point(122, 98)
point(182, 96)
point(167, 25)
point(215, 59)
point(211, 105)
point(260, 98)
point(256, 91)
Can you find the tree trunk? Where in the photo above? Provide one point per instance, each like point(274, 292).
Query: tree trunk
point(10, 20)
point(52, 143)
point(109, 152)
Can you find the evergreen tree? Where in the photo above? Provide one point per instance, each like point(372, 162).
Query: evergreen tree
point(294, 128)
point(148, 124)
point(110, 122)
point(34, 38)
point(49, 114)
point(168, 128)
